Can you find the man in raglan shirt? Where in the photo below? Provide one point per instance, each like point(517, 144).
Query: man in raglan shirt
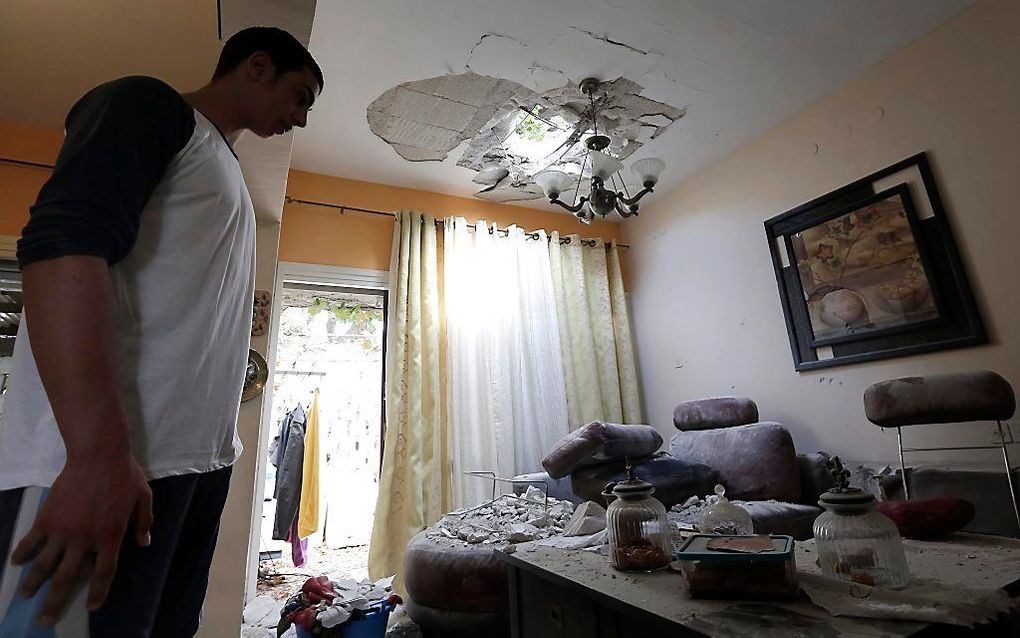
point(138, 265)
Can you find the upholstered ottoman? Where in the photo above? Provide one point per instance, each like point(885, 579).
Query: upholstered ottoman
point(455, 590)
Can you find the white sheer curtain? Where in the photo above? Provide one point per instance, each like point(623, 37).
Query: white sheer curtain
point(506, 395)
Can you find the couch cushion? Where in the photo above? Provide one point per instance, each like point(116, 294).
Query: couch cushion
point(815, 478)
point(757, 462)
point(928, 518)
point(987, 491)
point(599, 442)
point(439, 622)
point(940, 398)
point(449, 574)
point(675, 481)
point(720, 412)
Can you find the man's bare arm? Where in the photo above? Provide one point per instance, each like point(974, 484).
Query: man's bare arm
point(101, 488)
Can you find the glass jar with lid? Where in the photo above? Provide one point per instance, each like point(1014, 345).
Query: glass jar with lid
point(639, 533)
point(855, 543)
point(724, 517)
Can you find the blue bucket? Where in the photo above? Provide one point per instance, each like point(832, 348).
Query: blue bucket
point(371, 625)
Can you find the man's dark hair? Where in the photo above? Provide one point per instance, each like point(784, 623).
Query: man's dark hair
point(282, 48)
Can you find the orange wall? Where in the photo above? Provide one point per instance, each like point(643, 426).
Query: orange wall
point(311, 234)
point(18, 184)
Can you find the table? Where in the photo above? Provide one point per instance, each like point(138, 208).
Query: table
point(566, 594)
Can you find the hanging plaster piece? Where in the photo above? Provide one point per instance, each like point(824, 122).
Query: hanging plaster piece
point(424, 120)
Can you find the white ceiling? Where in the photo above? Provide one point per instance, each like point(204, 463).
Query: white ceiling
point(738, 67)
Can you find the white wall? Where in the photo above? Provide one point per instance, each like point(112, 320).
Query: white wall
point(708, 319)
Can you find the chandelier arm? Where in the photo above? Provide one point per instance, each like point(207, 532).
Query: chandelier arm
point(633, 200)
point(575, 208)
point(624, 212)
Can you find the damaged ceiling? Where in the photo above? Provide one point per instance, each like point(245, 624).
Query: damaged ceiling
point(472, 98)
point(513, 132)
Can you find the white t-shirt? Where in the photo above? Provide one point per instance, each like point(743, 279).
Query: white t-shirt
point(149, 183)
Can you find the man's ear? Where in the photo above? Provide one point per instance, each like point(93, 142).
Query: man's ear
point(259, 66)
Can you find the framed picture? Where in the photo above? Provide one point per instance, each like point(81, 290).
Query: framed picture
point(871, 271)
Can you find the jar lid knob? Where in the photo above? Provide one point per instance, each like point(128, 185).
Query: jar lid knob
point(720, 490)
point(840, 475)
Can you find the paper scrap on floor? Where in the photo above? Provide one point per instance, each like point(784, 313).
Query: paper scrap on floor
point(925, 601)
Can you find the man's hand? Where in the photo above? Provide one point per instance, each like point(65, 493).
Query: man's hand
point(79, 529)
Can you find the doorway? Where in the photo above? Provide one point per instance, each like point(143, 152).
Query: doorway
point(330, 342)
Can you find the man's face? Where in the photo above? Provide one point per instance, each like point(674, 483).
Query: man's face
point(279, 102)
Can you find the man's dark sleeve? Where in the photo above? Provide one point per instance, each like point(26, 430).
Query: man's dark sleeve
point(120, 137)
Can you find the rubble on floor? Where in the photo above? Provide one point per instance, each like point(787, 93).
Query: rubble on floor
point(508, 520)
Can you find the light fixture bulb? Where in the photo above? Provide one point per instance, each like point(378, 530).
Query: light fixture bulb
point(648, 170)
point(553, 182)
point(603, 166)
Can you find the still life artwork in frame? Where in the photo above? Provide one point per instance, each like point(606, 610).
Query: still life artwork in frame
point(871, 270)
point(863, 271)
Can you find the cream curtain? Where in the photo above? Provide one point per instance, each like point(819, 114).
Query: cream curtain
point(594, 327)
point(507, 400)
point(413, 486)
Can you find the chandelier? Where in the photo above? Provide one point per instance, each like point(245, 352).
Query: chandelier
point(600, 200)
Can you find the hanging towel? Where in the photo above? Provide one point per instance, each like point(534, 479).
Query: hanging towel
point(308, 513)
point(289, 467)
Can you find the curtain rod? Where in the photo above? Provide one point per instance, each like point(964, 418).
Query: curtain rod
point(368, 211)
point(20, 162)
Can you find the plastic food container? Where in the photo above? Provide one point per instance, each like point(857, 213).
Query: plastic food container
point(769, 574)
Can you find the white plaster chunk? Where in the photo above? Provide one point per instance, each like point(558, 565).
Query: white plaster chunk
point(588, 519)
point(561, 509)
point(539, 521)
point(491, 176)
point(262, 611)
point(522, 532)
point(477, 537)
point(534, 494)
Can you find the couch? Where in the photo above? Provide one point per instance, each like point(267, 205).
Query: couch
point(718, 440)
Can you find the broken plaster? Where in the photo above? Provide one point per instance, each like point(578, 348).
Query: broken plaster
point(424, 120)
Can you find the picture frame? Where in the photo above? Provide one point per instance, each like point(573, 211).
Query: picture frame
point(871, 271)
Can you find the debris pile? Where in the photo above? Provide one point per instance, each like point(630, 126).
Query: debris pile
point(509, 519)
